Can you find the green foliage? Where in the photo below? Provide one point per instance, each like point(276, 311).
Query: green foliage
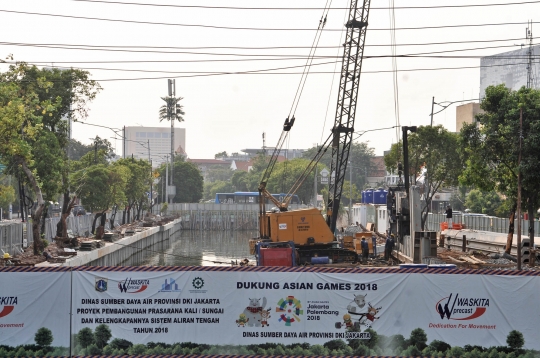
point(360, 157)
point(210, 189)
point(85, 337)
point(172, 109)
point(43, 337)
point(435, 149)
point(515, 339)
point(286, 174)
point(102, 334)
point(7, 195)
point(483, 203)
point(372, 342)
point(491, 149)
point(240, 181)
point(439, 346)
point(219, 174)
point(418, 338)
point(221, 155)
point(137, 349)
point(335, 344)
point(188, 181)
point(92, 350)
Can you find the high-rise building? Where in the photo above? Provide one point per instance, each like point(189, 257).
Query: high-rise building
point(509, 68)
point(158, 139)
point(466, 114)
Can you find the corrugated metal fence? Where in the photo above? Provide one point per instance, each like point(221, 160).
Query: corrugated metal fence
point(482, 223)
point(12, 233)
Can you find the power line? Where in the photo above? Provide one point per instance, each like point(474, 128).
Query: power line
point(301, 8)
point(272, 56)
point(297, 73)
point(251, 28)
point(246, 47)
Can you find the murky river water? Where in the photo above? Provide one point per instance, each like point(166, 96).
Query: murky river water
point(200, 248)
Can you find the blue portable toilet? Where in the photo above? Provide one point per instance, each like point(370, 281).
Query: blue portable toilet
point(369, 196)
point(379, 196)
point(363, 196)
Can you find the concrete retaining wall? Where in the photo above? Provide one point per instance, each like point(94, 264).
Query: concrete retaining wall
point(127, 249)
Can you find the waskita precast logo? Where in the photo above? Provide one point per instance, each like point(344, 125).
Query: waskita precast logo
point(461, 308)
point(7, 304)
point(133, 286)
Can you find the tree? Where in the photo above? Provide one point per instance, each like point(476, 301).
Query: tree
point(240, 180)
point(43, 337)
point(286, 174)
point(187, 179)
point(515, 339)
point(211, 189)
point(138, 182)
point(483, 203)
point(21, 124)
point(102, 334)
point(219, 174)
point(221, 155)
point(49, 96)
point(7, 195)
point(172, 109)
point(434, 162)
point(418, 338)
point(85, 337)
point(360, 157)
point(491, 148)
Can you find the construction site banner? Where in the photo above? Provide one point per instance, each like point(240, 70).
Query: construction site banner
point(252, 306)
point(35, 306)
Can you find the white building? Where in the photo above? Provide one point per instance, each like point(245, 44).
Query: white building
point(158, 139)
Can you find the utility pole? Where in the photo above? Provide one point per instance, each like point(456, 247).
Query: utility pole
point(151, 177)
point(519, 193)
point(529, 36)
point(170, 105)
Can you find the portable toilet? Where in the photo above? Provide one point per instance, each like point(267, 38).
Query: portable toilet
point(363, 197)
point(369, 196)
point(379, 196)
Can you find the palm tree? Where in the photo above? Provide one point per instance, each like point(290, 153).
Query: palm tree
point(167, 111)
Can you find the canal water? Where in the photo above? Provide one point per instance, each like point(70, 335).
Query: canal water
point(198, 248)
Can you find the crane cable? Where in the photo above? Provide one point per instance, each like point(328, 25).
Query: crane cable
point(392, 17)
point(290, 118)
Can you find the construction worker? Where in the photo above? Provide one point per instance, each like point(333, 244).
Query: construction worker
point(388, 247)
point(365, 250)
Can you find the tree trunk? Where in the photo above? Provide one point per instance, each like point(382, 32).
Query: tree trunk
point(101, 229)
point(129, 214)
point(61, 227)
point(98, 215)
point(113, 215)
point(44, 216)
point(530, 211)
point(36, 215)
point(510, 236)
point(139, 208)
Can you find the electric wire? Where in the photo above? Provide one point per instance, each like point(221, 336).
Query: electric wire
point(249, 28)
point(333, 78)
point(301, 8)
point(296, 73)
point(247, 47)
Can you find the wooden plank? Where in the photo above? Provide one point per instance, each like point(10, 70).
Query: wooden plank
point(469, 260)
point(456, 260)
point(478, 260)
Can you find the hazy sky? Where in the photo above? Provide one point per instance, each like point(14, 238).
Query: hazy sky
point(231, 111)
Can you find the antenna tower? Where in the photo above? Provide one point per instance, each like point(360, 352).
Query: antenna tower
point(530, 55)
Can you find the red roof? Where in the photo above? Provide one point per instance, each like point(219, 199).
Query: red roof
point(378, 168)
point(208, 161)
point(244, 166)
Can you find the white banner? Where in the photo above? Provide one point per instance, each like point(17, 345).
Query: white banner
point(249, 307)
point(30, 301)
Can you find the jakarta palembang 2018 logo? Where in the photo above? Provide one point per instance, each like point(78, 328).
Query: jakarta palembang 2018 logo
point(133, 286)
point(461, 308)
point(289, 310)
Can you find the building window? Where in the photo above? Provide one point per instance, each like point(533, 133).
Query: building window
point(149, 135)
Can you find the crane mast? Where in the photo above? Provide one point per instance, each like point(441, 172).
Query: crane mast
point(346, 105)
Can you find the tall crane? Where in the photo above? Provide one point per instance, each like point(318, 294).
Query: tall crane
point(346, 106)
point(306, 229)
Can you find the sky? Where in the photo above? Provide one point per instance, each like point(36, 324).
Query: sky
point(208, 49)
